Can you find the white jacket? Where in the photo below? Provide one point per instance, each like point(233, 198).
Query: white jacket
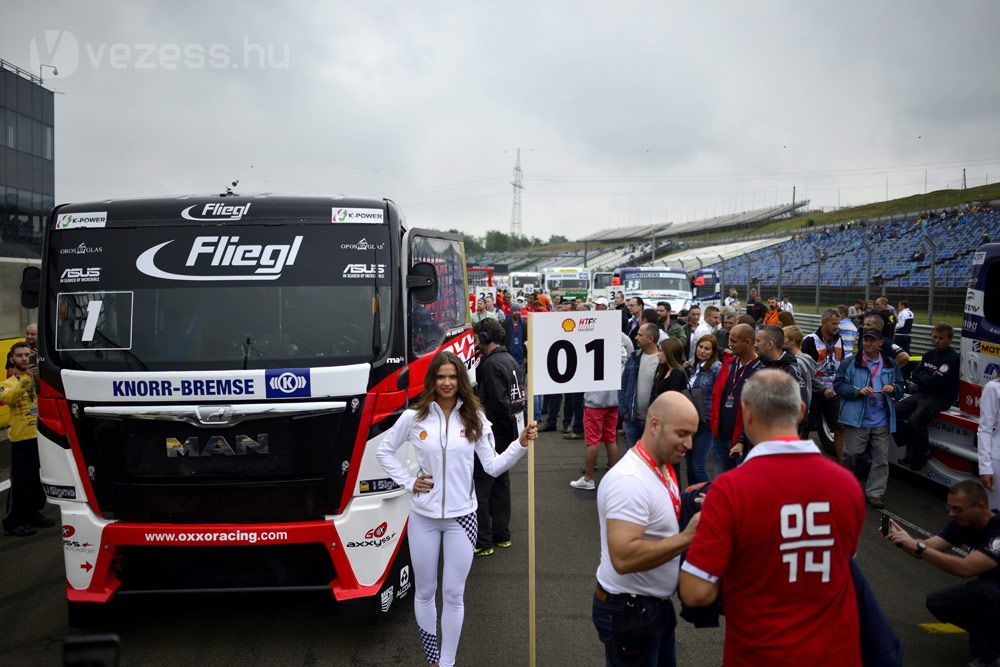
point(989, 427)
point(445, 454)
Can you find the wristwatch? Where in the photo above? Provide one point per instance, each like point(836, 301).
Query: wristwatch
point(921, 548)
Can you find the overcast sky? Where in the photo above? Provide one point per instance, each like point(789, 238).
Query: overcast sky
point(625, 112)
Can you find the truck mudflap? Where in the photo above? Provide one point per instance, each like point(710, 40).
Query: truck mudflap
point(952, 435)
point(94, 549)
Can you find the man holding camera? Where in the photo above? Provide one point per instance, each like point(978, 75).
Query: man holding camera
point(18, 392)
point(974, 605)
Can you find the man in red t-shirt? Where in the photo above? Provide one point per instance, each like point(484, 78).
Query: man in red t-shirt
point(776, 538)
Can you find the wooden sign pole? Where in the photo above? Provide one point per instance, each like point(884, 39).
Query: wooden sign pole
point(531, 512)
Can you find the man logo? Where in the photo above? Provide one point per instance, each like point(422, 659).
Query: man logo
point(58, 48)
point(287, 382)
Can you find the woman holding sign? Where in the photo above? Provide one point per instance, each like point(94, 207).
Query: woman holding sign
point(447, 428)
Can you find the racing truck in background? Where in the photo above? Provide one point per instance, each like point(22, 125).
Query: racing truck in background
point(215, 373)
point(657, 283)
point(954, 452)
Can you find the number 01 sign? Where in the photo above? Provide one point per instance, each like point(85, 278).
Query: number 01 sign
point(575, 351)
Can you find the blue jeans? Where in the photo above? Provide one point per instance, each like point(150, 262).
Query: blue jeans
point(723, 461)
point(633, 431)
point(662, 649)
point(573, 410)
point(698, 457)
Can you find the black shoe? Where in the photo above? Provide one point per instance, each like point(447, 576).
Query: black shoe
point(547, 428)
point(20, 531)
point(875, 502)
point(573, 436)
point(42, 522)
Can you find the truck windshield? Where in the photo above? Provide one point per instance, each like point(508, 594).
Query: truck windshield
point(656, 281)
point(521, 281)
point(567, 283)
point(217, 298)
point(602, 280)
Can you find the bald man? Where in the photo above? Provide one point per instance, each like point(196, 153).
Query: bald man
point(738, 366)
point(777, 534)
point(638, 505)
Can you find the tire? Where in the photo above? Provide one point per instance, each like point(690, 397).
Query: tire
point(825, 433)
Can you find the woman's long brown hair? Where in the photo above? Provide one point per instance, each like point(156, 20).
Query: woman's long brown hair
point(674, 352)
point(706, 366)
point(469, 410)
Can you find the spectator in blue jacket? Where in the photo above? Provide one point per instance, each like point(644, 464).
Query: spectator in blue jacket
point(700, 383)
point(866, 383)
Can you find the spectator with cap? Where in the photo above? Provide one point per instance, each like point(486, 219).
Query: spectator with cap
point(866, 384)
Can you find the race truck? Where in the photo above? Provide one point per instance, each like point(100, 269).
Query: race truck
point(657, 283)
point(954, 455)
point(567, 282)
point(215, 375)
point(480, 279)
point(602, 283)
point(527, 282)
point(705, 285)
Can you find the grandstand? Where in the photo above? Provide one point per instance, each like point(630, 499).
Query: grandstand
point(721, 223)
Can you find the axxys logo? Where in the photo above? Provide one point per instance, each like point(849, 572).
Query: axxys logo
point(77, 275)
point(267, 261)
point(287, 382)
point(364, 271)
point(57, 49)
point(81, 220)
point(82, 249)
point(371, 216)
point(375, 537)
point(363, 244)
point(216, 212)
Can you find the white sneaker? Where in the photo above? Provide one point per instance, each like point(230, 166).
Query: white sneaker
point(583, 483)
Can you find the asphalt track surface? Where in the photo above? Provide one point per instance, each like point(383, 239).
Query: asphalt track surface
point(306, 630)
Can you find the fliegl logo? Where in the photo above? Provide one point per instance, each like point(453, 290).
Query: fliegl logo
point(287, 383)
point(375, 537)
point(266, 261)
point(216, 212)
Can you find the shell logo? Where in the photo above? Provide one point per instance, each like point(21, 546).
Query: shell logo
point(568, 325)
point(423, 435)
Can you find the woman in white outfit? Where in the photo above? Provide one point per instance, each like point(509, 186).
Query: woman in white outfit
point(446, 428)
point(989, 441)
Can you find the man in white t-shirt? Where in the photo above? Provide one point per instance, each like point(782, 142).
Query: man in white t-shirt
point(638, 505)
point(786, 305)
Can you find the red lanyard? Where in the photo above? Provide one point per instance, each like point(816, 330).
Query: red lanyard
point(739, 372)
point(874, 369)
point(672, 488)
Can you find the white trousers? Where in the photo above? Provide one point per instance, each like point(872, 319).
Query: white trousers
point(427, 537)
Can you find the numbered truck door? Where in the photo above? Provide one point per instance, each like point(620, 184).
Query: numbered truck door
point(436, 295)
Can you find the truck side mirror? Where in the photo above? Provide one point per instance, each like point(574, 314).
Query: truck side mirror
point(422, 282)
point(31, 279)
